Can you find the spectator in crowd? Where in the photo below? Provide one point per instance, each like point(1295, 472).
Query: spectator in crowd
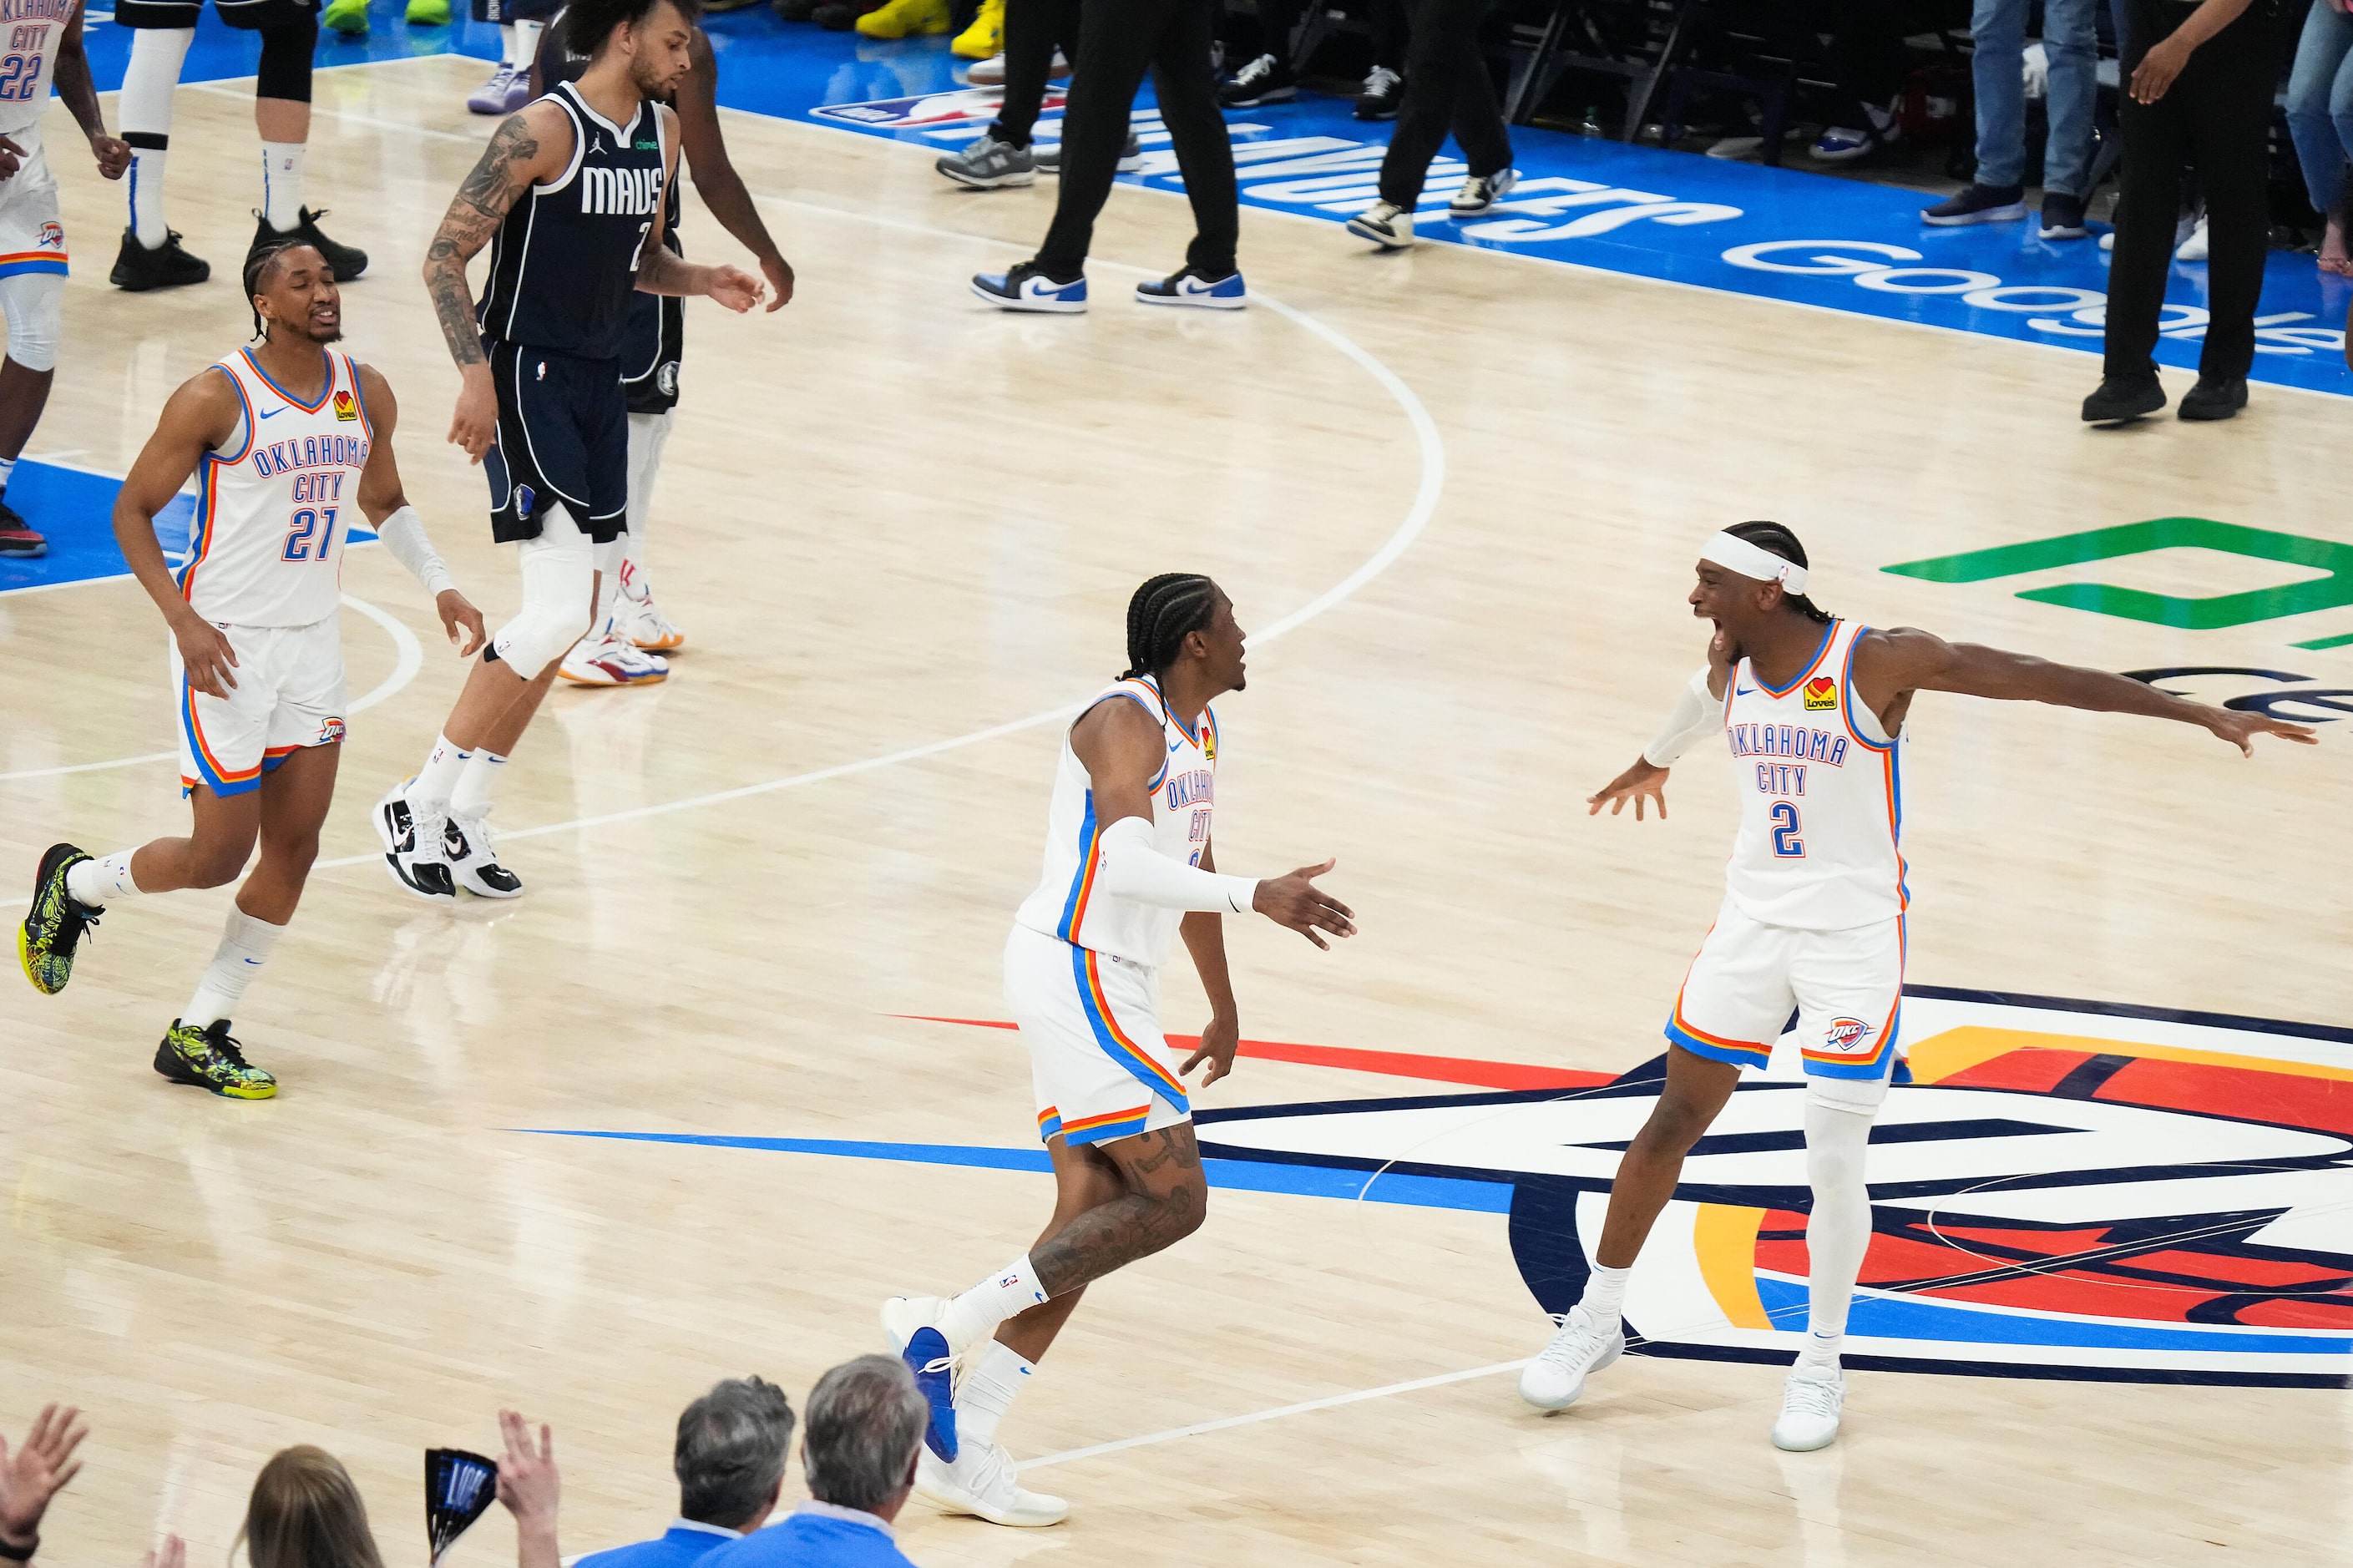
point(865, 1426)
point(530, 1488)
point(2320, 119)
point(1998, 193)
point(305, 1512)
point(730, 1463)
point(1447, 85)
point(2199, 93)
point(37, 1469)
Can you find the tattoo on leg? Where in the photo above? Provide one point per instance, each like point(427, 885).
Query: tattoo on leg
point(1134, 1225)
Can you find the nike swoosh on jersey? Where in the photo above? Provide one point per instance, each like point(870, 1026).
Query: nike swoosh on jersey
point(272, 412)
point(1744, 691)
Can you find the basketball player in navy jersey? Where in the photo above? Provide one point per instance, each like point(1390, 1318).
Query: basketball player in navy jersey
point(1813, 708)
point(569, 194)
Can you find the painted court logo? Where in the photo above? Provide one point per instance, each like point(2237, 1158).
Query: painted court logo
point(1821, 692)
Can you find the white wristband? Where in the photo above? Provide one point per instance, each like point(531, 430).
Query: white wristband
point(1698, 714)
point(404, 536)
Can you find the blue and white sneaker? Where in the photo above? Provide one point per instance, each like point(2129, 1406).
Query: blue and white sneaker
point(1027, 289)
point(912, 1323)
point(1190, 288)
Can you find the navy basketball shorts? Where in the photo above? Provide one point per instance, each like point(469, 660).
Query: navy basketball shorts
point(652, 345)
point(249, 15)
point(564, 436)
point(511, 10)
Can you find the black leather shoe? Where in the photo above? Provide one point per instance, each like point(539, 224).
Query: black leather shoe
point(2122, 397)
point(2214, 399)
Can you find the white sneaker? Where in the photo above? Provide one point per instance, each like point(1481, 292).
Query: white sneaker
point(990, 73)
point(608, 660)
point(473, 863)
point(983, 1481)
point(1811, 1403)
point(637, 622)
point(2193, 247)
point(1386, 225)
point(903, 1315)
point(1554, 1379)
point(1481, 192)
point(412, 844)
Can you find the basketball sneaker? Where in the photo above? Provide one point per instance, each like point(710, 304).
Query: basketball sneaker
point(346, 261)
point(1581, 1347)
point(1386, 224)
point(1027, 290)
point(1811, 1403)
point(912, 1323)
point(1262, 81)
point(348, 17)
point(984, 1480)
point(1048, 156)
point(209, 1059)
point(637, 620)
point(609, 659)
point(1383, 94)
point(1190, 288)
point(905, 18)
point(19, 538)
point(989, 164)
point(473, 860)
point(508, 89)
point(986, 38)
point(413, 848)
point(53, 926)
point(990, 73)
point(167, 265)
point(1481, 192)
point(428, 13)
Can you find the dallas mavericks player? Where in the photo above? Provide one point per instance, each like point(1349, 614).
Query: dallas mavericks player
point(44, 43)
point(1129, 865)
point(1813, 708)
point(572, 189)
point(288, 440)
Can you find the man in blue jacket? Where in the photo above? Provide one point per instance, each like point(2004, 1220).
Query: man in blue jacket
point(865, 1425)
point(730, 1461)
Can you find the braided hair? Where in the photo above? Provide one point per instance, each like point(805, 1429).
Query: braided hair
point(257, 269)
point(1776, 540)
point(1161, 615)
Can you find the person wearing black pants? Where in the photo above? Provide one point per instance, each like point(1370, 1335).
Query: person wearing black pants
point(2201, 77)
point(1447, 84)
point(1118, 41)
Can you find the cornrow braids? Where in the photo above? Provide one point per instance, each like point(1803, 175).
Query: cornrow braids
point(1161, 615)
point(1774, 539)
point(260, 266)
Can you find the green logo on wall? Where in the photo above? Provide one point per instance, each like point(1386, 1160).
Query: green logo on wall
point(2161, 609)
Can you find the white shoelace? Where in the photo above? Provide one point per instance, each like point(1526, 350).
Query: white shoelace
point(1807, 1397)
point(1575, 1343)
point(1380, 78)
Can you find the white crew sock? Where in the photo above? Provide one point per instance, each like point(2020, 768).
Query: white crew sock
point(97, 883)
point(472, 795)
point(245, 946)
point(987, 1391)
point(974, 1316)
point(1605, 1294)
point(522, 42)
point(7, 472)
point(145, 116)
point(1838, 1232)
point(436, 780)
point(281, 183)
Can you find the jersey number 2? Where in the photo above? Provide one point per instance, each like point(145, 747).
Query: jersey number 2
point(1786, 842)
point(300, 528)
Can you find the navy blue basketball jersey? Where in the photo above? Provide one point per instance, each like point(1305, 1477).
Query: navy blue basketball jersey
point(563, 264)
point(559, 61)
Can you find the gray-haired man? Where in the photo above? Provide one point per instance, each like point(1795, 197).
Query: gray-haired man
point(730, 1461)
point(865, 1427)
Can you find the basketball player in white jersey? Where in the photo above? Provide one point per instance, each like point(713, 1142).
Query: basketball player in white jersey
point(44, 43)
point(1129, 865)
point(288, 440)
point(1813, 708)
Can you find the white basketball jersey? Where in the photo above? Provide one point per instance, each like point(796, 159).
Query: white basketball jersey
point(275, 504)
point(31, 29)
point(1067, 903)
point(1821, 797)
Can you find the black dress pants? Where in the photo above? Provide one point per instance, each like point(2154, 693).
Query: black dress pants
point(1034, 29)
point(1118, 41)
point(1446, 85)
point(2215, 116)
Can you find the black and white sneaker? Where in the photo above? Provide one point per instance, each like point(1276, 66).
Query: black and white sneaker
point(989, 164)
point(417, 860)
point(473, 861)
point(1384, 89)
point(1386, 225)
point(1977, 204)
point(1481, 192)
point(1048, 156)
point(1196, 289)
point(1263, 80)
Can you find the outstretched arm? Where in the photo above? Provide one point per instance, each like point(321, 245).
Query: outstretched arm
point(1698, 713)
point(1204, 939)
point(1890, 666)
point(198, 419)
point(715, 178)
point(396, 523)
point(79, 95)
point(661, 270)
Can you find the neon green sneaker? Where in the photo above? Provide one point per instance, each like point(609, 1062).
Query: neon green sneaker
point(209, 1059)
point(53, 926)
point(348, 17)
point(428, 13)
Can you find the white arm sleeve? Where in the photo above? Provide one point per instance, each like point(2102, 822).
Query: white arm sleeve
point(404, 534)
point(1133, 868)
point(1698, 714)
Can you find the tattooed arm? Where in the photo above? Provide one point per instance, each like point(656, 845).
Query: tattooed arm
point(529, 146)
point(661, 270)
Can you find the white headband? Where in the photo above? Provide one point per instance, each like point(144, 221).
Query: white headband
point(1735, 553)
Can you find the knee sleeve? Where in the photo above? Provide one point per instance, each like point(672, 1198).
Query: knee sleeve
point(1838, 1232)
point(146, 111)
point(558, 577)
point(34, 304)
point(286, 51)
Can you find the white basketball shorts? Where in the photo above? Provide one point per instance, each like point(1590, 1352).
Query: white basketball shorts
point(1096, 1056)
point(1846, 988)
point(288, 695)
point(32, 230)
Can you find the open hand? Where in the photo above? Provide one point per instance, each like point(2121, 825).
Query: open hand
point(12, 158)
point(1219, 1040)
point(528, 1482)
point(1638, 784)
point(2159, 67)
point(112, 154)
point(41, 1467)
point(1295, 901)
point(459, 617)
point(205, 654)
point(733, 287)
point(2240, 728)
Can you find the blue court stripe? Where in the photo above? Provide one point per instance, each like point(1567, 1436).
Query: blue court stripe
point(1914, 1318)
point(1236, 1175)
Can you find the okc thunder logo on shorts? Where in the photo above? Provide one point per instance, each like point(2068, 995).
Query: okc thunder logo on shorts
point(329, 732)
point(52, 237)
point(1846, 1035)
